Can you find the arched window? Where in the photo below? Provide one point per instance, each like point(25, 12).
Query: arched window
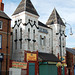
point(49, 42)
point(20, 33)
point(34, 34)
point(28, 38)
point(16, 39)
point(21, 38)
point(44, 41)
point(40, 40)
point(33, 39)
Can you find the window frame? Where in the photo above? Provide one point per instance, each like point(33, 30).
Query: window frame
point(1, 41)
point(1, 24)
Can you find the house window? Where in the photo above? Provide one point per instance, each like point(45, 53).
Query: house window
point(21, 38)
point(33, 39)
point(1, 24)
point(0, 41)
point(28, 38)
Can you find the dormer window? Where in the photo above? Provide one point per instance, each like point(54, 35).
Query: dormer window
point(1, 24)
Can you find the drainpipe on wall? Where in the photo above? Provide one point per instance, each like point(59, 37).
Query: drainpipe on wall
point(7, 50)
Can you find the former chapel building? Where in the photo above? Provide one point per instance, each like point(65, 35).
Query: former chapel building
point(30, 34)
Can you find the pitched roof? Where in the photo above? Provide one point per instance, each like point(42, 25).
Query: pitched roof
point(71, 50)
point(48, 57)
point(25, 6)
point(42, 24)
point(55, 18)
point(3, 15)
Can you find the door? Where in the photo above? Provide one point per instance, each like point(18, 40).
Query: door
point(63, 71)
point(47, 69)
point(31, 68)
point(0, 68)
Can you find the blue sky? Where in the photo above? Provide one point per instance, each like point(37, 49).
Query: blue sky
point(65, 8)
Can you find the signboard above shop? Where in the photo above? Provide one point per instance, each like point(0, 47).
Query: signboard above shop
point(21, 65)
point(63, 59)
point(31, 57)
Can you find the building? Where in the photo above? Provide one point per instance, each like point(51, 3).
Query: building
point(70, 60)
point(30, 34)
point(5, 25)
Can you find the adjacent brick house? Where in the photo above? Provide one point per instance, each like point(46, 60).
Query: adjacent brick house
point(70, 59)
point(5, 23)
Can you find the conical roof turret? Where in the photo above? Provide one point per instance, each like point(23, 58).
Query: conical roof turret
point(54, 18)
point(25, 5)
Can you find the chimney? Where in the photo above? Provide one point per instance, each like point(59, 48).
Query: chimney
point(1, 6)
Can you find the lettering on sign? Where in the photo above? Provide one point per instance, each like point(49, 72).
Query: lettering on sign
point(31, 57)
point(43, 30)
point(19, 65)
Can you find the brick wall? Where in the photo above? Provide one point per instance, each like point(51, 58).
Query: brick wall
point(69, 61)
point(3, 32)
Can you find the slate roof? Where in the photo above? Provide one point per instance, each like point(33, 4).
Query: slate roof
point(55, 18)
point(48, 57)
point(71, 50)
point(25, 6)
point(42, 24)
point(3, 15)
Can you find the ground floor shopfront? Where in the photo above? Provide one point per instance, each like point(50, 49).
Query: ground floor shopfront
point(36, 63)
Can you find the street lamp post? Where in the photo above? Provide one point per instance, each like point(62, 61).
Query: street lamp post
point(61, 41)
